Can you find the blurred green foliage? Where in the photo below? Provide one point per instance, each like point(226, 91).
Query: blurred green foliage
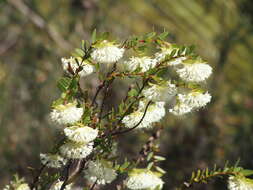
point(35, 34)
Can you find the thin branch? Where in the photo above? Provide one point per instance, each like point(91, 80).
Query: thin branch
point(147, 147)
point(128, 130)
point(94, 185)
point(101, 86)
point(36, 179)
point(66, 175)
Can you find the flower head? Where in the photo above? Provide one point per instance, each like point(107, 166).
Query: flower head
point(58, 184)
point(17, 184)
point(160, 92)
point(86, 68)
point(194, 72)
point(100, 171)
point(52, 160)
point(81, 134)
point(76, 150)
point(195, 99)
point(164, 51)
point(145, 63)
point(144, 179)
point(154, 113)
point(66, 114)
point(240, 183)
point(106, 52)
point(180, 109)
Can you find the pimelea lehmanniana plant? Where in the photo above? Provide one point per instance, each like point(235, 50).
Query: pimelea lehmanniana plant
point(166, 79)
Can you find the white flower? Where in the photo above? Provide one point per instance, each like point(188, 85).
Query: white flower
point(101, 172)
point(23, 186)
point(52, 160)
point(144, 179)
point(66, 114)
point(154, 113)
point(160, 92)
point(13, 186)
point(176, 61)
point(87, 68)
point(58, 185)
point(107, 53)
point(76, 150)
point(81, 134)
point(145, 63)
point(180, 109)
point(195, 99)
point(160, 56)
point(194, 72)
point(240, 183)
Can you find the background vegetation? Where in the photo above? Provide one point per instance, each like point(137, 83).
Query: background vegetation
point(35, 34)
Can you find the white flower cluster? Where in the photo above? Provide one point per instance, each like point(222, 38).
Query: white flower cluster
point(107, 53)
point(80, 143)
point(74, 150)
point(17, 184)
point(23, 186)
point(155, 112)
point(194, 72)
point(240, 183)
point(191, 101)
point(58, 184)
point(101, 172)
point(52, 160)
point(160, 92)
point(81, 134)
point(145, 63)
point(144, 179)
point(188, 70)
point(76, 63)
point(66, 114)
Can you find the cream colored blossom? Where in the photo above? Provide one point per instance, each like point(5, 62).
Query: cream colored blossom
point(180, 109)
point(195, 99)
point(83, 134)
point(160, 92)
point(194, 72)
point(240, 183)
point(141, 179)
point(66, 114)
point(145, 63)
point(76, 150)
point(106, 52)
point(52, 160)
point(101, 172)
point(58, 184)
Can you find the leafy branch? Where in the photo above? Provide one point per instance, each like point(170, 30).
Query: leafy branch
point(205, 175)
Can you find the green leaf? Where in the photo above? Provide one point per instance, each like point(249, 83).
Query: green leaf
point(103, 36)
point(173, 53)
point(79, 52)
point(63, 84)
point(150, 155)
point(247, 172)
point(94, 36)
point(150, 165)
point(160, 158)
point(160, 170)
point(124, 166)
point(150, 35)
point(133, 92)
point(163, 35)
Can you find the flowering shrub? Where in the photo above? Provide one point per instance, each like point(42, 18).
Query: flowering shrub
point(166, 78)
